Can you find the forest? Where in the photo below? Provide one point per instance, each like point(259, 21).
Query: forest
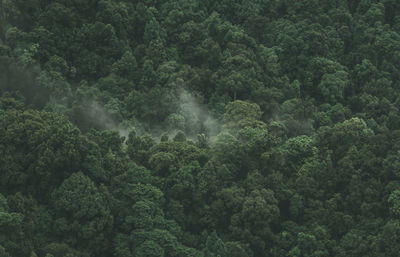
point(200, 128)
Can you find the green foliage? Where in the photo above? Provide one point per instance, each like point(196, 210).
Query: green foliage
point(44, 148)
point(199, 128)
point(82, 210)
point(394, 201)
point(240, 114)
point(215, 247)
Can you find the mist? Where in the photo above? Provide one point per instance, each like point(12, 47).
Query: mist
point(198, 119)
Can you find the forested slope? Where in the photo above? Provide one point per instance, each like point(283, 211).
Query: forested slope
point(232, 128)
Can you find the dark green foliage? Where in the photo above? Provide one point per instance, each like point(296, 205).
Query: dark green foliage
point(82, 213)
point(39, 150)
point(180, 128)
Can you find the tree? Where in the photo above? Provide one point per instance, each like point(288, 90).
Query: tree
point(330, 78)
point(126, 67)
point(388, 239)
point(311, 245)
point(11, 234)
point(252, 223)
point(62, 250)
point(290, 156)
point(239, 114)
point(215, 247)
point(237, 75)
point(351, 132)
point(356, 243)
point(139, 147)
point(394, 201)
point(83, 216)
point(46, 148)
point(95, 59)
point(149, 248)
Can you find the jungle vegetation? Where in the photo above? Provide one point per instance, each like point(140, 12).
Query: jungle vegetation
point(199, 128)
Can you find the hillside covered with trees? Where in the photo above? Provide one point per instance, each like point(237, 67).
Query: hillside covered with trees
point(200, 128)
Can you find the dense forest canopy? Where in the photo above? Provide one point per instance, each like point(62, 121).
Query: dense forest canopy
point(198, 128)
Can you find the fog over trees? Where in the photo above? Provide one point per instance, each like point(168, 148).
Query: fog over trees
point(198, 128)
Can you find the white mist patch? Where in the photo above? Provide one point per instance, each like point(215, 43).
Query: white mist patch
point(197, 117)
point(97, 113)
point(104, 118)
